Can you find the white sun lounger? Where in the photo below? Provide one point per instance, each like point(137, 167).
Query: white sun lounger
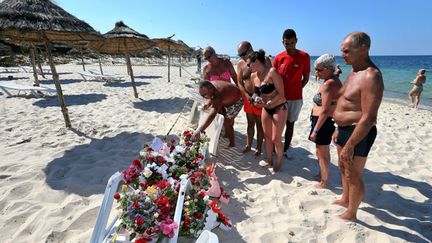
point(9, 69)
point(8, 86)
point(28, 69)
point(95, 76)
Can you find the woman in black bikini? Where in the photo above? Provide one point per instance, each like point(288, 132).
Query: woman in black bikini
point(269, 94)
point(322, 124)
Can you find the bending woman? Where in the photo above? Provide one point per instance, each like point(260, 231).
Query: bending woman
point(322, 124)
point(269, 95)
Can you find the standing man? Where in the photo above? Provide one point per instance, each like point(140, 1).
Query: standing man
point(294, 67)
point(253, 113)
point(356, 115)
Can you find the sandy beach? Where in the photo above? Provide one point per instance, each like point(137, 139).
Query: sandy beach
point(53, 178)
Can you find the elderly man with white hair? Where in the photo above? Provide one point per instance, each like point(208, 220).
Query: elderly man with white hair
point(322, 124)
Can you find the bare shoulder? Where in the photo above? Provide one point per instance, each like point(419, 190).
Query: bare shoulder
point(373, 78)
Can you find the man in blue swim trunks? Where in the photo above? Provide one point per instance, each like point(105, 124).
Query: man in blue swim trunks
point(356, 115)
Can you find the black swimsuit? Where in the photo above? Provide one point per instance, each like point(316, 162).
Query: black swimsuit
point(267, 89)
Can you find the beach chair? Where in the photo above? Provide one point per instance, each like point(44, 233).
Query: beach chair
point(104, 234)
point(8, 86)
point(9, 69)
point(28, 69)
point(95, 76)
point(213, 131)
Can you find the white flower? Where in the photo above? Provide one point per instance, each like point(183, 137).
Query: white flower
point(147, 172)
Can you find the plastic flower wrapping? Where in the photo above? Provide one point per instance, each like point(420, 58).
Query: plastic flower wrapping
point(147, 199)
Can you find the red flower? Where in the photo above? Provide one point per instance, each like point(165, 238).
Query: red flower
point(143, 240)
point(198, 215)
point(136, 204)
point(117, 196)
point(163, 184)
point(139, 221)
point(136, 162)
point(187, 133)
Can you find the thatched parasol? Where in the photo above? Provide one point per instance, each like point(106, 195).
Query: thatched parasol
point(170, 45)
point(123, 40)
point(42, 21)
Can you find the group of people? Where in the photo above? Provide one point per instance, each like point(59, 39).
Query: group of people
point(271, 94)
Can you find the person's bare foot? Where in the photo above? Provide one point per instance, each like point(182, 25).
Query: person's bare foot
point(246, 149)
point(264, 163)
point(277, 167)
point(321, 185)
point(257, 152)
point(348, 216)
point(341, 202)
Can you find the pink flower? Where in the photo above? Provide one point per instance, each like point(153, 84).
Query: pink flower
point(168, 227)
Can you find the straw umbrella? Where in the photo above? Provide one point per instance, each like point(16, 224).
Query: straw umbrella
point(41, 21)
point(123, 40)
point(170, 45)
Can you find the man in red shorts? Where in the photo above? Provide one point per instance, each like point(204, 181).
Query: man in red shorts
point(294, 67)
point(253, 113)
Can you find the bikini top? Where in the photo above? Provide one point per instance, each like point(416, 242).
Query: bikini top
point(266, 88)
point(318, 100)
point(226, 76)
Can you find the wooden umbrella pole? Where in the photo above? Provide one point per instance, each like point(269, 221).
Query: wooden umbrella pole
point(129, 65)
point(180, 66)
point(169, 62)
point(38, 61)
point(33, 61)
point(100, 65)
point(57, 83)
point(82, 58)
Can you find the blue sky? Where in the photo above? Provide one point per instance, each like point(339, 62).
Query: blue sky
point(396, 27)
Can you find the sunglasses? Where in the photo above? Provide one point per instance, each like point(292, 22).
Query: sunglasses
point(244, 53)
point(208, 57)
point(320, 69)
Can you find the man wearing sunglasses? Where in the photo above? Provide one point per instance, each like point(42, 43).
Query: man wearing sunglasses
point(253, 113)
point(294, 67)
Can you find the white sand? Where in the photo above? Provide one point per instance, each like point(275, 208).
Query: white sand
point(53, 178)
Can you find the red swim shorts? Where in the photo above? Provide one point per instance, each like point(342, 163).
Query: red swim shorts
point(250, 109)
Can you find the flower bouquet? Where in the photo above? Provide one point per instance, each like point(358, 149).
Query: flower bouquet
point(147, 199)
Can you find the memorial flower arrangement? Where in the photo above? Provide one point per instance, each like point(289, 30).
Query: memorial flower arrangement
point(148, 198)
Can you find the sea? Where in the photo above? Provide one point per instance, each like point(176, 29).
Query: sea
point(398, 72)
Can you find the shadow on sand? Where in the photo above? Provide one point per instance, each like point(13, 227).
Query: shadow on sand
point(85, 169)
point(173, 106)
point(82, 99)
